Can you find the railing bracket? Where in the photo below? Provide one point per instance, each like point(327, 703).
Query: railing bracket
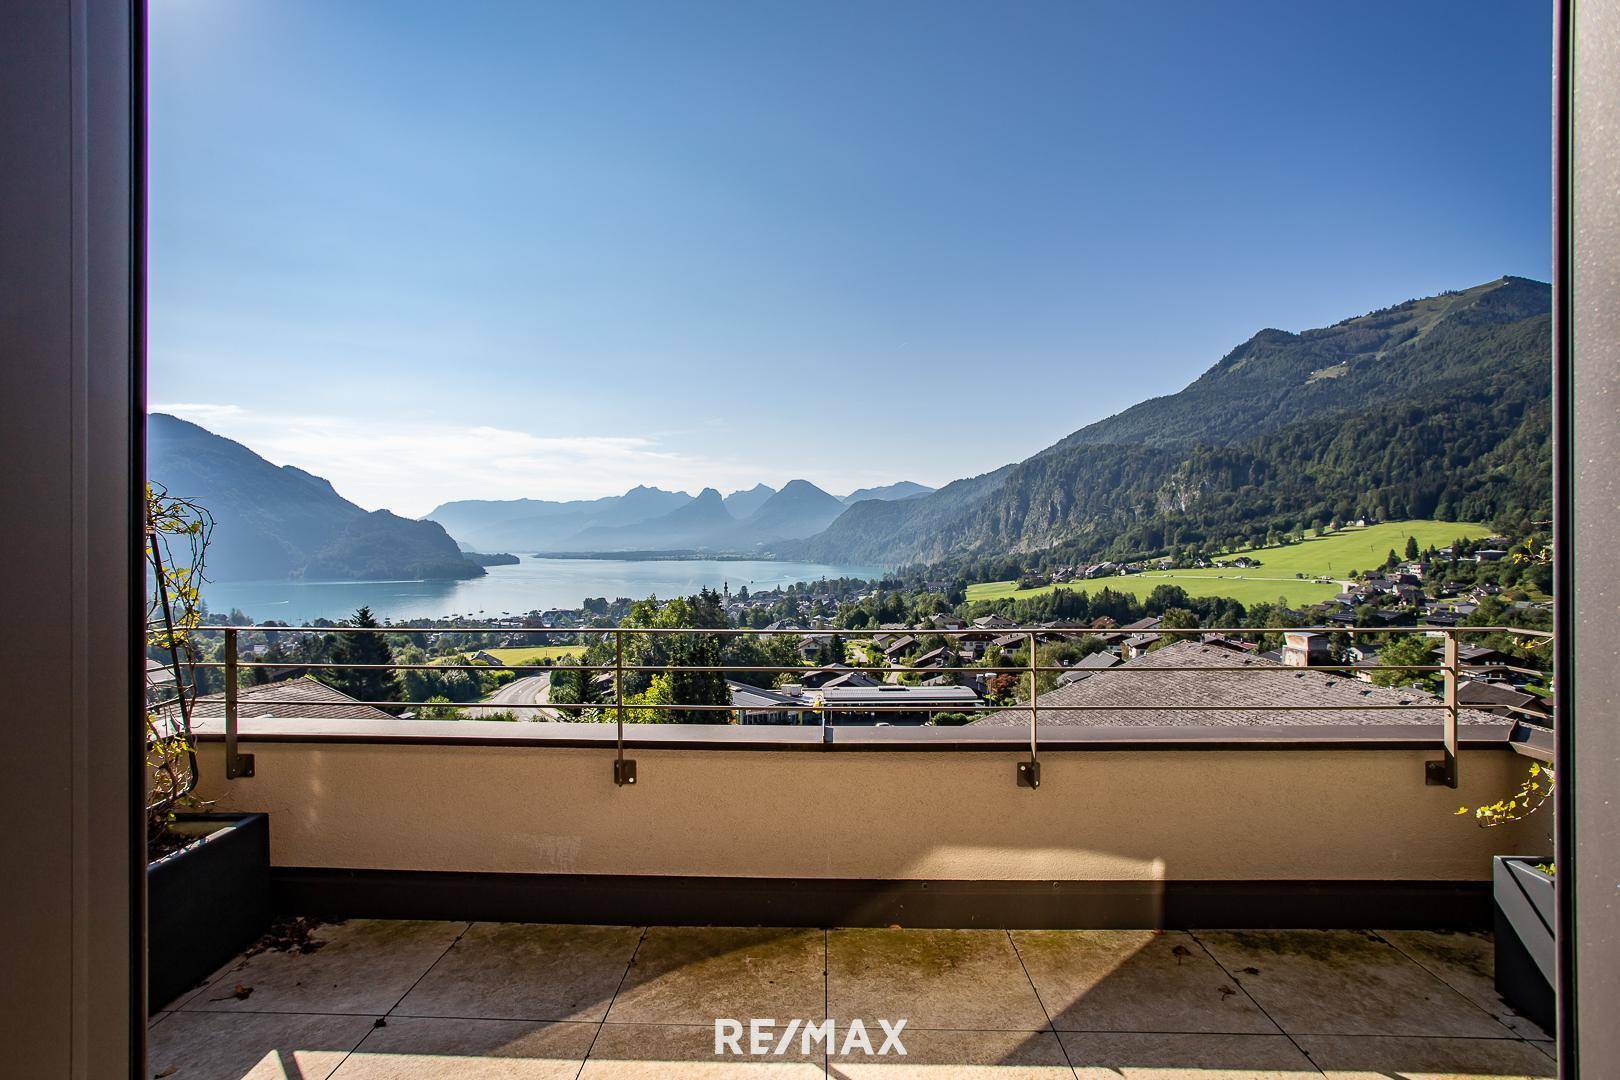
point(624, 771)
point(238, 765)
point(1029, 774)
point(1440, 773)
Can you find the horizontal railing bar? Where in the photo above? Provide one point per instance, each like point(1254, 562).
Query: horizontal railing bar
point(864, 634)
point(841, 667)
point(1503, 667)
point(936, 706)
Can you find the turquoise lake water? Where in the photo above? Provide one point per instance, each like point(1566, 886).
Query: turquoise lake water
point(533, 584)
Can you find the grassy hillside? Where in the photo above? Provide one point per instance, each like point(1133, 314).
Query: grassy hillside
point(525, 653)
point(1334, 555)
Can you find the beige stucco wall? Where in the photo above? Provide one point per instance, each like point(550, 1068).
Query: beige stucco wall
point(1187, 815)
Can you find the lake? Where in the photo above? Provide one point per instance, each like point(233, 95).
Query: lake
point(533, 584)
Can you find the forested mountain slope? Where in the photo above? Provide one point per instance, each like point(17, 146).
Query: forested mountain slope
point(1436, 407)
point(280, 522)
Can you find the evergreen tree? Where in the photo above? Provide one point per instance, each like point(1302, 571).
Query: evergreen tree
point(362, 648)
point(1411, 549)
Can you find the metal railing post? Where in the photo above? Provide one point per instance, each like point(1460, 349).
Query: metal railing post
point(624, 772)
point(1443, 773)
point(1029, 772)
point(236, 764)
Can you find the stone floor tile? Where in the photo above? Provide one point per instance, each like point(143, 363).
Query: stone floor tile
point(1159, 1056)
point(687, 1052)
point(970, 1055)
point(1345, 982)
point(363, 966)
point(252, 1046)
point(431, 1048)
point(956, 979)
point(693, 975)
point(1353, 1058)
point(1465, 961)
point(1134, 980)
point(516, 971)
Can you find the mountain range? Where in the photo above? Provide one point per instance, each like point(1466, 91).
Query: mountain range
point(1437, 407)
point(650, 519)
point(277, 522)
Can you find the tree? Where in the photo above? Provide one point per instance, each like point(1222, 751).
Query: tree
point(1414, 649)
point(1174, 619)
point(1411, 549)
point(362, 648)
point(572, 686)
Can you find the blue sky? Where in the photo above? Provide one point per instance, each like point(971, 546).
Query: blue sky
point(483, 250)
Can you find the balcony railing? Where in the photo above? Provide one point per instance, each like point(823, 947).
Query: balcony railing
point(818, 709)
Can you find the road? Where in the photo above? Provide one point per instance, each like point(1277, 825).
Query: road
point(520, 696)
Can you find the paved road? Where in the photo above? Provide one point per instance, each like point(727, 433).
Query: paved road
point(520, 696)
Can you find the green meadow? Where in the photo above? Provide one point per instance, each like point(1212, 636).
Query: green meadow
point(524, 653)
point(1334, 556)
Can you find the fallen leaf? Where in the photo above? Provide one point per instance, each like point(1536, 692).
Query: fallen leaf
point(170, 1071)
point(1227, 991)
point(1180, 952)
point(1251, 971)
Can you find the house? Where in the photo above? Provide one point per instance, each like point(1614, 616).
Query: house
point(940, 657)
point(850, 678)
point(893, 705)
point(988, 626)
point(823, 676)
point(1480, 656)
point(482, 657)
point(1087, 667)
point(1138, 644)
point(1304, 649)
point(900, 646)
point(1493, 697)
point(758, 705)
point(1124, 633)
point(948, 622)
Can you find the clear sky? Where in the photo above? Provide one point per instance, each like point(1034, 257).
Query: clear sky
point(483, 250)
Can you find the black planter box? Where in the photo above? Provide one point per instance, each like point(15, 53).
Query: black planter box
point(206, 902)
point(1525, 945)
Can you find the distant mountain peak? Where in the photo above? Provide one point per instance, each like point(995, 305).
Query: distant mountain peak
point(903, 489)
point(742, 504)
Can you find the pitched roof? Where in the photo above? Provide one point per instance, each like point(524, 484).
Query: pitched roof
point(306, 699)
point(1268, 683)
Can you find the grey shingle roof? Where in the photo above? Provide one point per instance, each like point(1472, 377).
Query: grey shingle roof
point(308, 699)
point(1269, 683)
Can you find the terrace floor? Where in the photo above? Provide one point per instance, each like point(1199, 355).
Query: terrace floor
point(429, 1000)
